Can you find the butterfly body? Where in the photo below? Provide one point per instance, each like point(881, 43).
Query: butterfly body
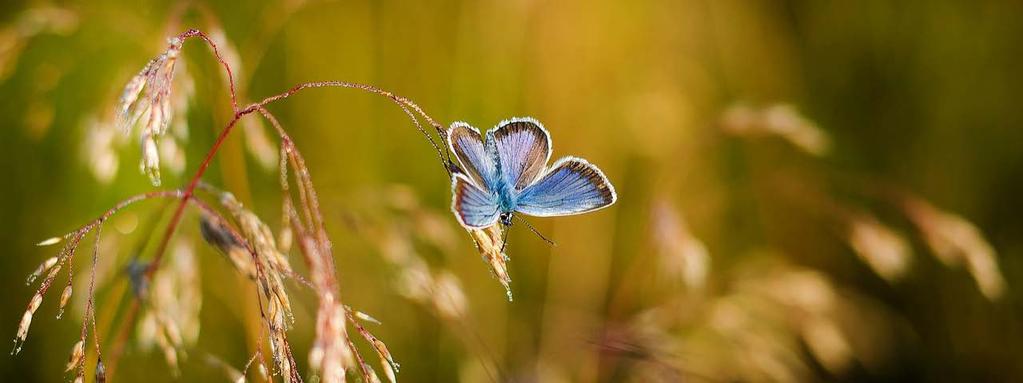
point(508, 174)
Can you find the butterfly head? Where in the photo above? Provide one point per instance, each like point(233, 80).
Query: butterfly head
point(506, 218)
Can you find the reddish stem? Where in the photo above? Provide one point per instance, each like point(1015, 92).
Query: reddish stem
point(327, 277)
point(188, 193)
point(220, 58)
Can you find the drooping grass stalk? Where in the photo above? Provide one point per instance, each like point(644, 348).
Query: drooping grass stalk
point(328, 356)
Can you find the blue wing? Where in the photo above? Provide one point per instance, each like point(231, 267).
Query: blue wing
point(521, 148)
point(572, 186)
point(473, 207)
point(467, 144)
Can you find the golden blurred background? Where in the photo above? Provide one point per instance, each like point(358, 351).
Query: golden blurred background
point(807, 190)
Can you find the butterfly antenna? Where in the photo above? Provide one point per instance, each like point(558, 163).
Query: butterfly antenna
point(533, 229)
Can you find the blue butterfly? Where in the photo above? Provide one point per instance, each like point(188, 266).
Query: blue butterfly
point(508, 173)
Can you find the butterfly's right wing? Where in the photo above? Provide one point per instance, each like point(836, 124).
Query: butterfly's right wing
point(571, 186)
point(521, 148)
point(467, 144)
point(473, 207)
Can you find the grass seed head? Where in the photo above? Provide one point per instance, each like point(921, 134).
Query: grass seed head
point(146, 100)
point(489, 243)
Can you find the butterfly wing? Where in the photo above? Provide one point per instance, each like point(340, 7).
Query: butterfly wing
point(521, 148)
point(473, 207)
point(467, 144)
point(571, 186)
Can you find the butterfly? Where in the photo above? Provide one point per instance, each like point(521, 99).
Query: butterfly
point(508, 174)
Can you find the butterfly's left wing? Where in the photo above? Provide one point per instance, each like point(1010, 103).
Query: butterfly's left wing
point(467, 144)
point(571, 186)
point(473, 207)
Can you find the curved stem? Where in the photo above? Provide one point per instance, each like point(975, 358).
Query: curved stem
point(324, 276)
point(189, 191)
point(220, 58)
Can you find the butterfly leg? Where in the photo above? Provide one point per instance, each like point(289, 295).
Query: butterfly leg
point(504, 238)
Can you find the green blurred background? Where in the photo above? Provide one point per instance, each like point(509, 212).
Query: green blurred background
point(922, 97)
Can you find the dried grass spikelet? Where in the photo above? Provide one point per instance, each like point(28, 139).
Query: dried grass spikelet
point(147, 100)
point(807, 291)
point(442, 293)
point(415, 281)
point(794, 305)
point(391, 367)
point(268, 258)
point(330, 355)
point(150, 162)
point(827, 343)
point(777, 323)
point(809, 300)
point(954, 240)
point(280, 350)
point(65, 296)
point(26, 321)
point(232, 374)
point(885, 251)
point(172, 156)
point(436, 229)
point(43, 267)
point(101, 371)
point(98, 149)
point(449, 298)
point(77, 356)
point(429, 226)
point(366, 317)
point(218, 235)
point(263, 264)
point(172, 322)
point(759, 348)
point(54, 271)
point(780, 120)
point(267, 265)
point(49, 241)
point(488, 242)
point(385, 359)
point(259, 145)
point(257, 233)
point(682, 256)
